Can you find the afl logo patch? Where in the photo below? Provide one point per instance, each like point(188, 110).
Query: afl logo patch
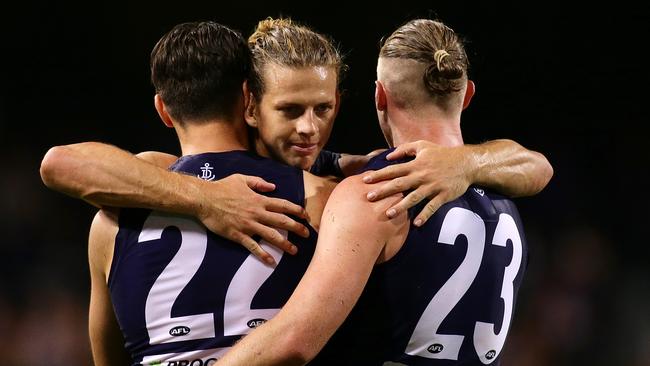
point(435, 348)
point(178, 331)
point(254, 323)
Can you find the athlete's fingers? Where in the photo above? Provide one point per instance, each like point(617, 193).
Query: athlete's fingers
point(389, 172)
point(285, 207)
point(429, 209)
point(396, 185)
point(274, 238)
point(258, 184)
point(283, 222)
point(405, 203)
point(404, 150)
point(252, 246)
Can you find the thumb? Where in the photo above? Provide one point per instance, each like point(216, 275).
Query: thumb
point(258, 184)
point(404, 150)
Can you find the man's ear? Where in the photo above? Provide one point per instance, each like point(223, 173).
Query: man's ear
point(251, 108)
point(162, 111)
point(469, 93)
point(380, 96)
point(246, 94)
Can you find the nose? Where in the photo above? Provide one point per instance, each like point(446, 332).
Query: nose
point(306, 125)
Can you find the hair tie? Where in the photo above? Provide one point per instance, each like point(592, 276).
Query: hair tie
point(439, 55)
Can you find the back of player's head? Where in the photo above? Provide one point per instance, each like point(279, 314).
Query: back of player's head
point(286, 43)
point(434, 58)
point(198, 69)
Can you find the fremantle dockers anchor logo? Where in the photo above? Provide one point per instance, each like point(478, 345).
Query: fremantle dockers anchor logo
point(206, 172)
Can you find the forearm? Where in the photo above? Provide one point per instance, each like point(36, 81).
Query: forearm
point(296, 334)
point(270, 344)
point(105, 175)
point(510, 168)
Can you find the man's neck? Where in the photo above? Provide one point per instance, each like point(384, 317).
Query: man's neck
point(213, 136)
point(407, 128)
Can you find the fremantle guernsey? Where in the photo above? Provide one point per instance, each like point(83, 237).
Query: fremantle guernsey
point(183, 295)
point(448, 296)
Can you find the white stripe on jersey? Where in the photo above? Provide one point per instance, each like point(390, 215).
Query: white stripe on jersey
point(206, 356)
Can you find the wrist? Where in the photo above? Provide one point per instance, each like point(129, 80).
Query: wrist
point(475, 163)
point(187, 195)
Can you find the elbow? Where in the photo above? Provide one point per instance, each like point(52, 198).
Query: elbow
point(534, 176)
point(60, 169)
point(298, 347)
point(545, 173)
point(548, 174)
point(294, 357)
point(53, 166)
point(304, 354)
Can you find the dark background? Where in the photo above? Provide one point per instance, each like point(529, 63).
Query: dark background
point(564, 79)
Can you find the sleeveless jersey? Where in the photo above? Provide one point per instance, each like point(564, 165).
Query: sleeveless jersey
point(183, 295)
point(448, 296)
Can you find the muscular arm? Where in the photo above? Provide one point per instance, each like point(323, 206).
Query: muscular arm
point(105, 175)
point(345, 255)
point(106, 339)
point(508, 167)
point(443, 173)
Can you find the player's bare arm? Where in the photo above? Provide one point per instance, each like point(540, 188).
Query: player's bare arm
point(345, 255)
point(443, 173)
point(106, 339)
point(105, 175)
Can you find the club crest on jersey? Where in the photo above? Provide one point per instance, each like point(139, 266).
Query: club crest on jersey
point(254, 323)
point(206, 172)
point(477, 190)
point(178, 331)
